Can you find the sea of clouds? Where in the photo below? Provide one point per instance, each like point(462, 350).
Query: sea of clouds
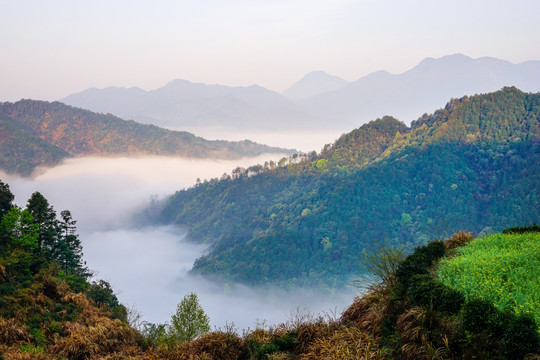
point(148, 266)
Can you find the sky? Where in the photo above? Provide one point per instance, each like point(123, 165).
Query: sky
point(51, 49)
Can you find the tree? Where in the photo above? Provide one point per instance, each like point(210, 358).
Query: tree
point(379, 264)
point(68, 251)
point(45, 217)
point(103, 294)
point(190, 321)
point(6, 197)
point(18, 241)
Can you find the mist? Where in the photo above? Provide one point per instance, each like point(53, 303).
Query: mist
point(306, 141)
point(148, 267)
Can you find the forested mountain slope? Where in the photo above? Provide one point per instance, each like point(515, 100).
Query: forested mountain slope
point(42, 133)
point(473, 165)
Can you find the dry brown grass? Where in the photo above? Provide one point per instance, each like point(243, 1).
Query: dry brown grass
point(459, 239)
point(367, 312)
point(15, 353)
point(215, 345)
point(94, 337)
point(424, 335)
point(347, 343)
point(308, 333)
point(12, 332)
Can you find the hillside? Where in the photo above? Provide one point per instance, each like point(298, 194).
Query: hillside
point(21, 150)
point(36, 133)
point(317, 102)
point(49, 309)
point(473, 165)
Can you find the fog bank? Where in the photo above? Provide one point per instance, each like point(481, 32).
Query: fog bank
point(148, 267)
point(304, 141)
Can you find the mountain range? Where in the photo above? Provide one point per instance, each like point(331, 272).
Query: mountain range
point(473, 165)
point(319, 101)
point(36, 133)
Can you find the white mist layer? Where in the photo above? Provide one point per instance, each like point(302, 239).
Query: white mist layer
point(148, 267)
point(302, 141)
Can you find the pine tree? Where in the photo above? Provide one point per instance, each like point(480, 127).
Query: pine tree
point(68, 250)
point(45, 217)
point(6, 197)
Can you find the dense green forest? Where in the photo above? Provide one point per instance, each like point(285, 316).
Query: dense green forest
point(37, 133)
point(474, 165)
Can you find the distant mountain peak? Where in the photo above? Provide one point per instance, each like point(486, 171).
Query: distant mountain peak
point(312, 84)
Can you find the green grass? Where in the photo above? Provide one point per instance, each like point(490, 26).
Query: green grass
point(503, 269)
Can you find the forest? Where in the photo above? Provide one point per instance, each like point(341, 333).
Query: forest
point(302, 221)
point(38, 133)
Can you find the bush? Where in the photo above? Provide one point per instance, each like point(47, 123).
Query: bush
point(521, 337)
point(459, 239)
point(478, 315)
point(103, 294)
point(518, 334)
point(419, 261)
point(522, 229)
point(426, 291)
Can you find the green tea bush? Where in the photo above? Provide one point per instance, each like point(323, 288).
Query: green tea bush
point(419, 261)
point(426, 291)
point(521, 337)
point(517, 334)
point(522, 229)
point(477, 315)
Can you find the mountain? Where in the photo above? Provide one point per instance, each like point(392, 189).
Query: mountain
point(21, 150)
point(424, 88)
point(312, 84)
point(181, 104)
point(38, 133)
point(473, 165)
point(318, 101)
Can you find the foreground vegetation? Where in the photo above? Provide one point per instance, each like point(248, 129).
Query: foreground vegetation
point(49, 309)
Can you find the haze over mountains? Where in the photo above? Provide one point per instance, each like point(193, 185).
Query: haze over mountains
point(318, 101)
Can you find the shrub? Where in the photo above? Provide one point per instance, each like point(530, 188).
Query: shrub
point(459, 239)
point(426, 291)
point(215, 345)
point(477, 315)
point(521, 337)
point(522, 229)
point(419, 261)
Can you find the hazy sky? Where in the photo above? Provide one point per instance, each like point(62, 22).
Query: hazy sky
point(50, 49)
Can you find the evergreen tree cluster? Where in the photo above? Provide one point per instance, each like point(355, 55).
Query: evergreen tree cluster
point(35, 236)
